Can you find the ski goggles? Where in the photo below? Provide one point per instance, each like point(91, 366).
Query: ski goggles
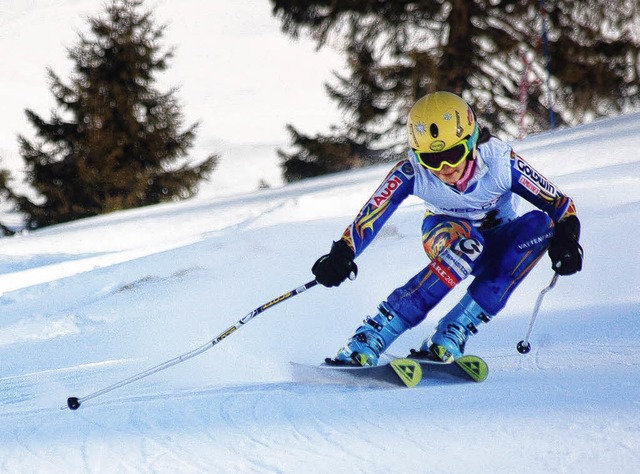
point(452, 157)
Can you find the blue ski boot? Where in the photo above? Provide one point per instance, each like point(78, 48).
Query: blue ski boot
point(372, 338)
point(448, 341)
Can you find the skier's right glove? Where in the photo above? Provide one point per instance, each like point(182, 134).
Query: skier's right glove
point(335, 267)
point(565, 252)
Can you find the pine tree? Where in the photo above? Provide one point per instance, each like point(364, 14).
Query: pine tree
point(5, 176)
point(363, 99)
point(116, 142)
point(473, 48)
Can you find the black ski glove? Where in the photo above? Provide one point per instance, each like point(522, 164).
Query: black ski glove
point(565, 252)
point(335, 267)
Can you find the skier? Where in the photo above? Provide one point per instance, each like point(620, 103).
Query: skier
point(470, 182)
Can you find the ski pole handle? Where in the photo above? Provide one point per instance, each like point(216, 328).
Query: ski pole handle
point(73, 403)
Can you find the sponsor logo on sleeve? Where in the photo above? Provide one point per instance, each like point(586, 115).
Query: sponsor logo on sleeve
point(407, 169)
point(532, 188)
point(387, 190)
point(534, 178)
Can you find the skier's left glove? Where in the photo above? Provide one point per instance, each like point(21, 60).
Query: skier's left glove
point(335, 267)
point(565, 252)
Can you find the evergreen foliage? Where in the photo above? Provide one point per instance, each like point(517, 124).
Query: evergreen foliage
point(115, 142)
point(399, 50)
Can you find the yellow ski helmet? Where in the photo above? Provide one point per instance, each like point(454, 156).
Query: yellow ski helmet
point(441, 129)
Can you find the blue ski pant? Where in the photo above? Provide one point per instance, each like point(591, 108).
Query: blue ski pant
point(498, 259)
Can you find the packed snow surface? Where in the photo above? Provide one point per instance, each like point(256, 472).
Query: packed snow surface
point(88, 304)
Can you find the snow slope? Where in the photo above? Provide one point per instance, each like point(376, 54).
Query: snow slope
point(90, 303)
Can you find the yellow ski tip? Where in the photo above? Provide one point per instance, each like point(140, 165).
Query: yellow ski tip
point(475, 367)
point(408, 370)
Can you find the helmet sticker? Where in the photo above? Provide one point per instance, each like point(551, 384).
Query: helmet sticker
point(421, 128)
point(437, 145)
point(459, 129)
point(434, 130)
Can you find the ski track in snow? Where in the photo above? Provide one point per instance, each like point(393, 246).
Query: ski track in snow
point(267, 427)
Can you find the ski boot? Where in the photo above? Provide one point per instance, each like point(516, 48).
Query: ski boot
point(448, 341)
point(372, 338)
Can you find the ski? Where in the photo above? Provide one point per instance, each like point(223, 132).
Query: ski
point(465, 368)
point(399, 371)
point(402, 372)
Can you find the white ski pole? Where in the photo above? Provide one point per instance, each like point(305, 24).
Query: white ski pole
point(74, 402)
point(524, 346)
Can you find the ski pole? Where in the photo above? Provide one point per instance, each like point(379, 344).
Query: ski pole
point(524, 346)
point(74, 403)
